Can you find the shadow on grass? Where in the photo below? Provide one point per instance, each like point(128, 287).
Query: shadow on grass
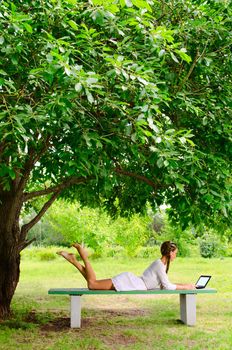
point(26, 320)
point(91, 319)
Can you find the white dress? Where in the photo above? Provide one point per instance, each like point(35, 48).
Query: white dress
point(154, 277)
point(128, 281)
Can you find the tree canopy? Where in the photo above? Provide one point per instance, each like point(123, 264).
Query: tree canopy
point(129, 99)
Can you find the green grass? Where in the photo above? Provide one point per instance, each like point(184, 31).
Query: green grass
point(41, 321)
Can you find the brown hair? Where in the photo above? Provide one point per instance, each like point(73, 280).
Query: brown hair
point(166, 248)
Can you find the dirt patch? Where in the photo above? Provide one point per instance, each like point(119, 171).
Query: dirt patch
point(99, 319)
point(57, 325)
point(90, 326)
point(31, 317)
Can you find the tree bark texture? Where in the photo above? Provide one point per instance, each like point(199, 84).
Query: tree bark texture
point(9, 250)
point(9, 277)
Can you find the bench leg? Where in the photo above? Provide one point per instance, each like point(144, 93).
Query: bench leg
point(75, 311)
point(188, 309)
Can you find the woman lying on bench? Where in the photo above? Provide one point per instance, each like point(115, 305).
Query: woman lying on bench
point(154, 277)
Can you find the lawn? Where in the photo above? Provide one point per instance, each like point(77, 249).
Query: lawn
point(41, 321)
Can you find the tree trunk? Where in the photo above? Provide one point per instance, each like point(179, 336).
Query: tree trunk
point(9, 250)
point(9, 277)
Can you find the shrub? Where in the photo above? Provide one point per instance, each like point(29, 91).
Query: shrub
point(94, 254)
point(115, 251)
point(47, 255)
point(183, 248)
point(211, 246)
point(41, 253)
point(148, 252)
point(207, 248)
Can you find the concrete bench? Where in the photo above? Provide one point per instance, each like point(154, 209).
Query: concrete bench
point(187, 300)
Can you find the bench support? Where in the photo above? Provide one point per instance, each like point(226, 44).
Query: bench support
point(187, 300)
point(75, 311)
point(188, 309)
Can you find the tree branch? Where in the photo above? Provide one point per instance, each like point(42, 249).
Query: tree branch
point(26, 244)
point(56, 190)
point(68, 182)
point(25, 228)
point(196, 59)
point(138, 177)
point(2, 147)
point(33, 158)
point(189, 72)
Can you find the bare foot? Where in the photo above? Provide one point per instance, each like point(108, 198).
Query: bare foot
point(81, 250)
point(68, 256)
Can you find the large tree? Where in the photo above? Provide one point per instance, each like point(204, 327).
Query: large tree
point(117, 103)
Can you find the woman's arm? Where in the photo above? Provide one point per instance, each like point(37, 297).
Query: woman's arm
point(185, 286)
point(163, 277)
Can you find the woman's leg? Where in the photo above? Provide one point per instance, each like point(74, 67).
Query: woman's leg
point(87, 271)
point(72, 259)
point(91, 279)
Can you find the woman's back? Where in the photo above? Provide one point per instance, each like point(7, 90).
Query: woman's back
point(155, 276)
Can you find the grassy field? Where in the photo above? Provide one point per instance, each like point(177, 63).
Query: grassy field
point(41, 321)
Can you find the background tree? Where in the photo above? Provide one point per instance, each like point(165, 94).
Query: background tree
point(117, 103)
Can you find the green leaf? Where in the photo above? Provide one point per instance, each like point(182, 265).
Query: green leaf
point(134, 137)
point(12, 174)
point(215, 193)
point(224, 211)
point(91, 80)
point(72, 2)
point(78, 87)
point(126, 3)
point(142, 4)
point(73, 24)
point(28, 28)
point(98, 16)
point(89, 96)
point(2, 72)
point(174, 57)
point(160, 163)
point(161, 52)
point(208, 198)
point(14, 60)
point(179, 186)
point(143, 81)
point(152, 125)
point(183, 140)
point(183, 55)
point(190, 142)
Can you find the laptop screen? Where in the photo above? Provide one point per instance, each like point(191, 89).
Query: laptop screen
point(203, 280)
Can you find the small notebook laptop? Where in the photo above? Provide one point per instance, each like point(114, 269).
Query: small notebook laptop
point(202, 281)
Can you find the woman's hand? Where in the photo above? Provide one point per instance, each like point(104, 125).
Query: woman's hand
point(185, 286)
point(191, 286)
